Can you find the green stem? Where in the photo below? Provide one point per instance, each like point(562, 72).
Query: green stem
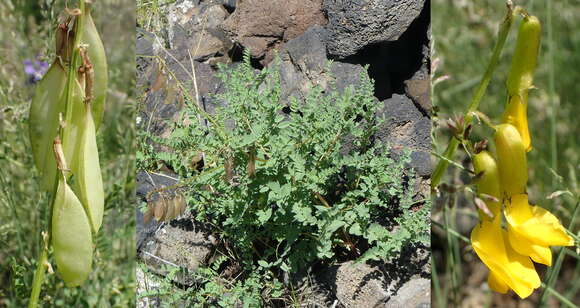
point(38, 278)
point(43, 259)
point(555, 103)
point(476, 99)
point(73, 65)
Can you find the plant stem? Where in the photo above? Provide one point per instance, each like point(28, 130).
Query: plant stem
point(552, 97)
point(43, 259)
point(38, 277)
point(477, 96)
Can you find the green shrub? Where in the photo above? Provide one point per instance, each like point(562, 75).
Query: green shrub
point(321, 190)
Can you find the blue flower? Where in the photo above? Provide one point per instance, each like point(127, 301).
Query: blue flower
point(34, 69)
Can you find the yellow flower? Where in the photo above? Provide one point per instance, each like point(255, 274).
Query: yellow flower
point(533, 229)
point(511, 160)
point(508, 269)
point(516, 114)
point(488, 183)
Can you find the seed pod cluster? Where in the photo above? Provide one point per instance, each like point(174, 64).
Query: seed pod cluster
point(164, 209)
point(71, 110)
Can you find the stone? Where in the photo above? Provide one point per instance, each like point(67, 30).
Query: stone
point(357, 285)
point(147, 45)
point(304, 65)
point(163, 104)
point(354, 25)
point(263, 33)
point(415, 293)
point(178, 244)
point(406, 127)
point(198, 33)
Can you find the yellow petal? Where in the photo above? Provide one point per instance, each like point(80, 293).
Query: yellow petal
point(516, 114)
point(496, 283)
point(538, 253)
point(515, 270)
point(537, 225)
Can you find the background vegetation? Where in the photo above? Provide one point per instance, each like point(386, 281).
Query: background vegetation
point(464, 34)
point(28, 33)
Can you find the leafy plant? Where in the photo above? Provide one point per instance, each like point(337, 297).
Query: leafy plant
point(291, 183)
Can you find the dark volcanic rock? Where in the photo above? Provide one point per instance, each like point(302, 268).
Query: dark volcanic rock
point(304, 65)
point(407, 128)
point(416, 293)
point(358, 285)
point(262, 26)
point(165, 100)
point(353, 25)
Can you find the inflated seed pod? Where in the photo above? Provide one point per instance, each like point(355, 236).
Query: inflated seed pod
point(171, 211)
point(71, 236)
point(43, 121)
point(521, 75)
point(98, 58)
point(160, 209)
point(489, 182)
point(74, 124)
point(179, 204)
point(87, 171)
point(511, 160)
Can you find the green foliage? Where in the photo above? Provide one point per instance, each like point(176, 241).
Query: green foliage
point(322, 188)
point(211, 289)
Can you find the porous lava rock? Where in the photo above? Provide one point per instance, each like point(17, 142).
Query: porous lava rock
point(262, 26)
point(356, 24)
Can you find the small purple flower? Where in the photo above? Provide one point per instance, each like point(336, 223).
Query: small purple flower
point(34, 69)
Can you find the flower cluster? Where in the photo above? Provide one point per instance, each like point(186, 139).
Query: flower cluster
point(529, 230)
point(34, 69)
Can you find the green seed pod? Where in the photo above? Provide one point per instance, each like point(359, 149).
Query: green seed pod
point(71, 236)
point(87, 171)
point(43, 121)
point(511, 160)
point(521, 75)
point(74, 125)
point(489, 182)
point(98, 58)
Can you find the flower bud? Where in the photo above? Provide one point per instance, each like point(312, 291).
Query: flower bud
point(488, 183)
point(511, 160)
point(525, 57)
point(516, 115)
